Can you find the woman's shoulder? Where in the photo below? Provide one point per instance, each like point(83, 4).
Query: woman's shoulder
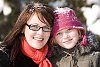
point(4, 60)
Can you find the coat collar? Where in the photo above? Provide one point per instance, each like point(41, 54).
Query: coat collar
point(78, 49)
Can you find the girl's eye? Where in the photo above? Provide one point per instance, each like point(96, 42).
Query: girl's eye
point(68, 30)
point(59, 33)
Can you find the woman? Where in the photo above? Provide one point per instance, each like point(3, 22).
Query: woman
point(27, 42)
point(71, 48)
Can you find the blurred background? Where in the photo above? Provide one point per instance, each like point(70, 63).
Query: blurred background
point(88, 12)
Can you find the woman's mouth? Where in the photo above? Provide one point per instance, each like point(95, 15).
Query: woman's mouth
point(39, 39)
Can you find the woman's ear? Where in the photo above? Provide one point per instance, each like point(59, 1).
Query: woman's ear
point(23, 30)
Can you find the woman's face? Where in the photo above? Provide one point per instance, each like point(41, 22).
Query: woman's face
point(36, 38)
point(67, 38)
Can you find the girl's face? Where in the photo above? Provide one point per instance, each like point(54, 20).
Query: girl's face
point(67, 38)
point(36, 32)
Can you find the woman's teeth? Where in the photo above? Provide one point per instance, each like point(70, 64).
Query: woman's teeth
point(38, 38)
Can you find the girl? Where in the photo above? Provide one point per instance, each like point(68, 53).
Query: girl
point(71, 47)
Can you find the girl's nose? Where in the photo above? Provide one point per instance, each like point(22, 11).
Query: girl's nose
point(65, 35)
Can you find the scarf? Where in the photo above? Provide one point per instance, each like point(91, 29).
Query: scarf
point(37, 55)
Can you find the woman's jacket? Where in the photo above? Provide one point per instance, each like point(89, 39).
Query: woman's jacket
point(4, 60)
point(20, 61)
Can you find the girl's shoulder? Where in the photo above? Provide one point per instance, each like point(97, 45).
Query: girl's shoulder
point(95, 55)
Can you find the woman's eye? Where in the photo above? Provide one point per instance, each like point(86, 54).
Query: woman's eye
point(46, 27)
point(36, 26)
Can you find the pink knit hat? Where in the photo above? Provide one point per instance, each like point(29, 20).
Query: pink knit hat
point(66, 18)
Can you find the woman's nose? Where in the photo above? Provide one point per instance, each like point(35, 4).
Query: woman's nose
point(40, 31)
